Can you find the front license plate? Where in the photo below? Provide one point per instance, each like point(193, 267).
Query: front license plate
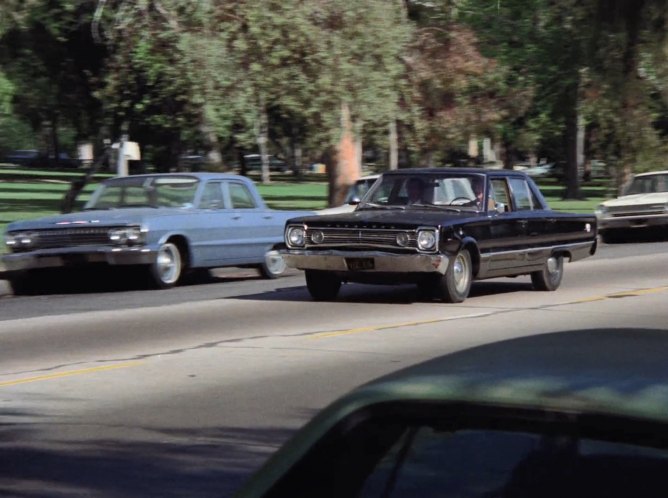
point(357, 264)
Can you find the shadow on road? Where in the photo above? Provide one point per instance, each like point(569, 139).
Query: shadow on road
point(121, 279)
point(192, 463)
point(388, 294)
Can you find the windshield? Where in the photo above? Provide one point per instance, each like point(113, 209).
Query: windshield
point(433, 190)
point(155, 192)
point(648, 184)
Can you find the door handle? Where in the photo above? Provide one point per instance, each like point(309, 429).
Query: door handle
point(523, 223)
point(268, 217)
point(237, 217)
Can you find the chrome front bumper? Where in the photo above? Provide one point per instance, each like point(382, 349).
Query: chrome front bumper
point(77, 257)
point(383, 262)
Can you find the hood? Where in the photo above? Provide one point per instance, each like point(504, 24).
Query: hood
point(108, 217)
point(396, 218)
point(638, 199)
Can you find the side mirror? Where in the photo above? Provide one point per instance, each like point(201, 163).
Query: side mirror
point(354, 200)
point(500, 207)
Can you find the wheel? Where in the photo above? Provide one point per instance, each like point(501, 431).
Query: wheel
point(24, 284)
point(321, 285)
point(549, 278)
point(166, 270)
point(455, 285)
point(273, 265)
point(611, 236)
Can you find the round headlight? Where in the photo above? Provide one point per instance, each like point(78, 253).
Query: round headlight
point(118, 235)
point(317, 237)
point(11, 240)
point(426, 240)
point(296, 236)
point(403, 239)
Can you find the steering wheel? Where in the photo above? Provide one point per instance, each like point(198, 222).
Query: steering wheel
point(465, 199)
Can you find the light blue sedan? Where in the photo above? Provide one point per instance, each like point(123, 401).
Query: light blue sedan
point(167, 224)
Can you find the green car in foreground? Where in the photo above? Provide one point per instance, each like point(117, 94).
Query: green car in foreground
point(571, 414)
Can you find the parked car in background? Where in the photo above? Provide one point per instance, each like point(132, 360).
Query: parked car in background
point(33, 158)
point(22, 157)
point(163, 224)
point(254, 162)
point(355, 194)
point(463, 225)
point(642, 207)
point(576, 414)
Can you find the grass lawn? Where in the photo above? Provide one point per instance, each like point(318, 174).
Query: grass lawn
point(28, 194)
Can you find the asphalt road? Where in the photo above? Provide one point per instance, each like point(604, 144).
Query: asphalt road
point(123, 393)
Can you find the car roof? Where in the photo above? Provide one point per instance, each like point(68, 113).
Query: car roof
point(650, 173)
point(447, 170)
point(200, 176)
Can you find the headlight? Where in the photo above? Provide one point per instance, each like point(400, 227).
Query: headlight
point(127, 235)
point(11, 240)
point(601, 211)
point(403, 239)
point(20, 240)
point(295, 236)
point(426, 240)
point(317, 237)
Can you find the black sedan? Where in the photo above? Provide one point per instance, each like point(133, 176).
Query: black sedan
point(440, 228)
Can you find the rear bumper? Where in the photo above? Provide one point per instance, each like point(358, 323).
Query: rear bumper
point(382, 262)
point(77, 257)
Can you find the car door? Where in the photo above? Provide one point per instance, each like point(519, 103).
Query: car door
point(508, 227)
point(254, 226)
point(534, 223)
point(212, 230)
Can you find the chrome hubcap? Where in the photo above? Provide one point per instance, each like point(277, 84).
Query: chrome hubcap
point(169, 263)
point(460, 273)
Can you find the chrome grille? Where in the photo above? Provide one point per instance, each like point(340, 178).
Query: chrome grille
point(361, 237)
point(70, 237)
point(642, 210)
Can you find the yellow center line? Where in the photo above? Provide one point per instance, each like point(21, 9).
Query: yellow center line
point(69, 373)
point(631, 293)
point(375, 328)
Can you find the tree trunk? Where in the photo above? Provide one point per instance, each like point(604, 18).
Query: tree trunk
point(213, 155)
point(262, 133)
point(394, 145)
point(297, 168)
point(347, 168)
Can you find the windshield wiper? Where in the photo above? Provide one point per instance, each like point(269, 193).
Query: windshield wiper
point(436, 207)
point(381, 206)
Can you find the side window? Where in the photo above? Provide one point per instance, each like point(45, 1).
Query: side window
point(241, 197)
point(500, 192)
point(522, 194)
point(212, 196)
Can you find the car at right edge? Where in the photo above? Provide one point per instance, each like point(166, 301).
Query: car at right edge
point(642, 208)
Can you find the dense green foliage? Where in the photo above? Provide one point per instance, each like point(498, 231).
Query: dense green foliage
point(225, 79)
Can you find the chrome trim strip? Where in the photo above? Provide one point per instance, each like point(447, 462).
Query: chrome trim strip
point(574, 246)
